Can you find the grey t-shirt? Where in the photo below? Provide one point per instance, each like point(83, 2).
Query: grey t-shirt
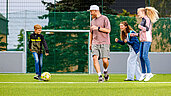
point(100, 37)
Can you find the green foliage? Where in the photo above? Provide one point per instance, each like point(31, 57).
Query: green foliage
point(161, 35)
point(64, 20)
point(72, 50)
point(20, 46)
point(79, 5)
point(163, 6)
point(125, 13)
point(68, 51)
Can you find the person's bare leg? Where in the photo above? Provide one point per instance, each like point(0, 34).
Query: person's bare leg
point(97, 67)
point(96, 63)
point(105, 65)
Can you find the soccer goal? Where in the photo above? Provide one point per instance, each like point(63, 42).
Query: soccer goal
point(68, 51)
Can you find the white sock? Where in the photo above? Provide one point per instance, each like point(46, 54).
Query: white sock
point(105, 70)
point(99, 73)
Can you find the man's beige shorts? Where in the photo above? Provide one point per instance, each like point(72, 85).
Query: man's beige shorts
point(101, 50)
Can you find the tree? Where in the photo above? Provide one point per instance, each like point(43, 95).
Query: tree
point(20, 46)
point(163, 6)
point(125, 13)
point(79, 5)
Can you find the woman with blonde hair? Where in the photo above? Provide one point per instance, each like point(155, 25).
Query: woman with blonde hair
point(133, 43)
point(149, 15)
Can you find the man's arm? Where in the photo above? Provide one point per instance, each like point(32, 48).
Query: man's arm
point(101, 29)
point(104, 30)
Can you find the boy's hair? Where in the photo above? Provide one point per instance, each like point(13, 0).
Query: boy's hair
point(37, 26)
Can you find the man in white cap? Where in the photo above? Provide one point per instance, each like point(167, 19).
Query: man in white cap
point(100, 41)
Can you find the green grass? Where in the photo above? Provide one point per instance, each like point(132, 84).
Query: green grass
point(26, 86)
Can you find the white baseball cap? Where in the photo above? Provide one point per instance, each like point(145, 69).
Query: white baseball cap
point(94, 7)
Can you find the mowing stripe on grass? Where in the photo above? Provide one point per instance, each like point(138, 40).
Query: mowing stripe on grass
point(84, 82)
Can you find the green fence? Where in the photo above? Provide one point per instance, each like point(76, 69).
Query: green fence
point(69, 51)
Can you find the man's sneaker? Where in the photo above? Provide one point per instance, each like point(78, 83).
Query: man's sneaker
point(106, 76)
point(100, 79)
point(148, 76)
point(142, 77)
point(36, 77)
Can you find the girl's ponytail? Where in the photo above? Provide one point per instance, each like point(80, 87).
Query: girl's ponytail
point(152, 13)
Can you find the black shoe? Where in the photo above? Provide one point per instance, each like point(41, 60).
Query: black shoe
point(36, 77)
point(128, 80)
point(106, 76)
point(100, 79)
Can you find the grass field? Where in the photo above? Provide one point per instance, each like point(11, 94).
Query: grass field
point(83, 85)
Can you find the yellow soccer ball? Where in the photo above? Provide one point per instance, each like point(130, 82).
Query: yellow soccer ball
point(46, 76)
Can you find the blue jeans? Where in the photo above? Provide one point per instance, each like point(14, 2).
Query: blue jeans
point(145, 62)
point(38, 62)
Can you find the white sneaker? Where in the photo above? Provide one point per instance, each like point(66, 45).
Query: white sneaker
point(142, 77)
point(148, 76)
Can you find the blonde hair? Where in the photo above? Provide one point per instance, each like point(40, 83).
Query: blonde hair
point(37, 26)
point(123, 34)
point(151, 12)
